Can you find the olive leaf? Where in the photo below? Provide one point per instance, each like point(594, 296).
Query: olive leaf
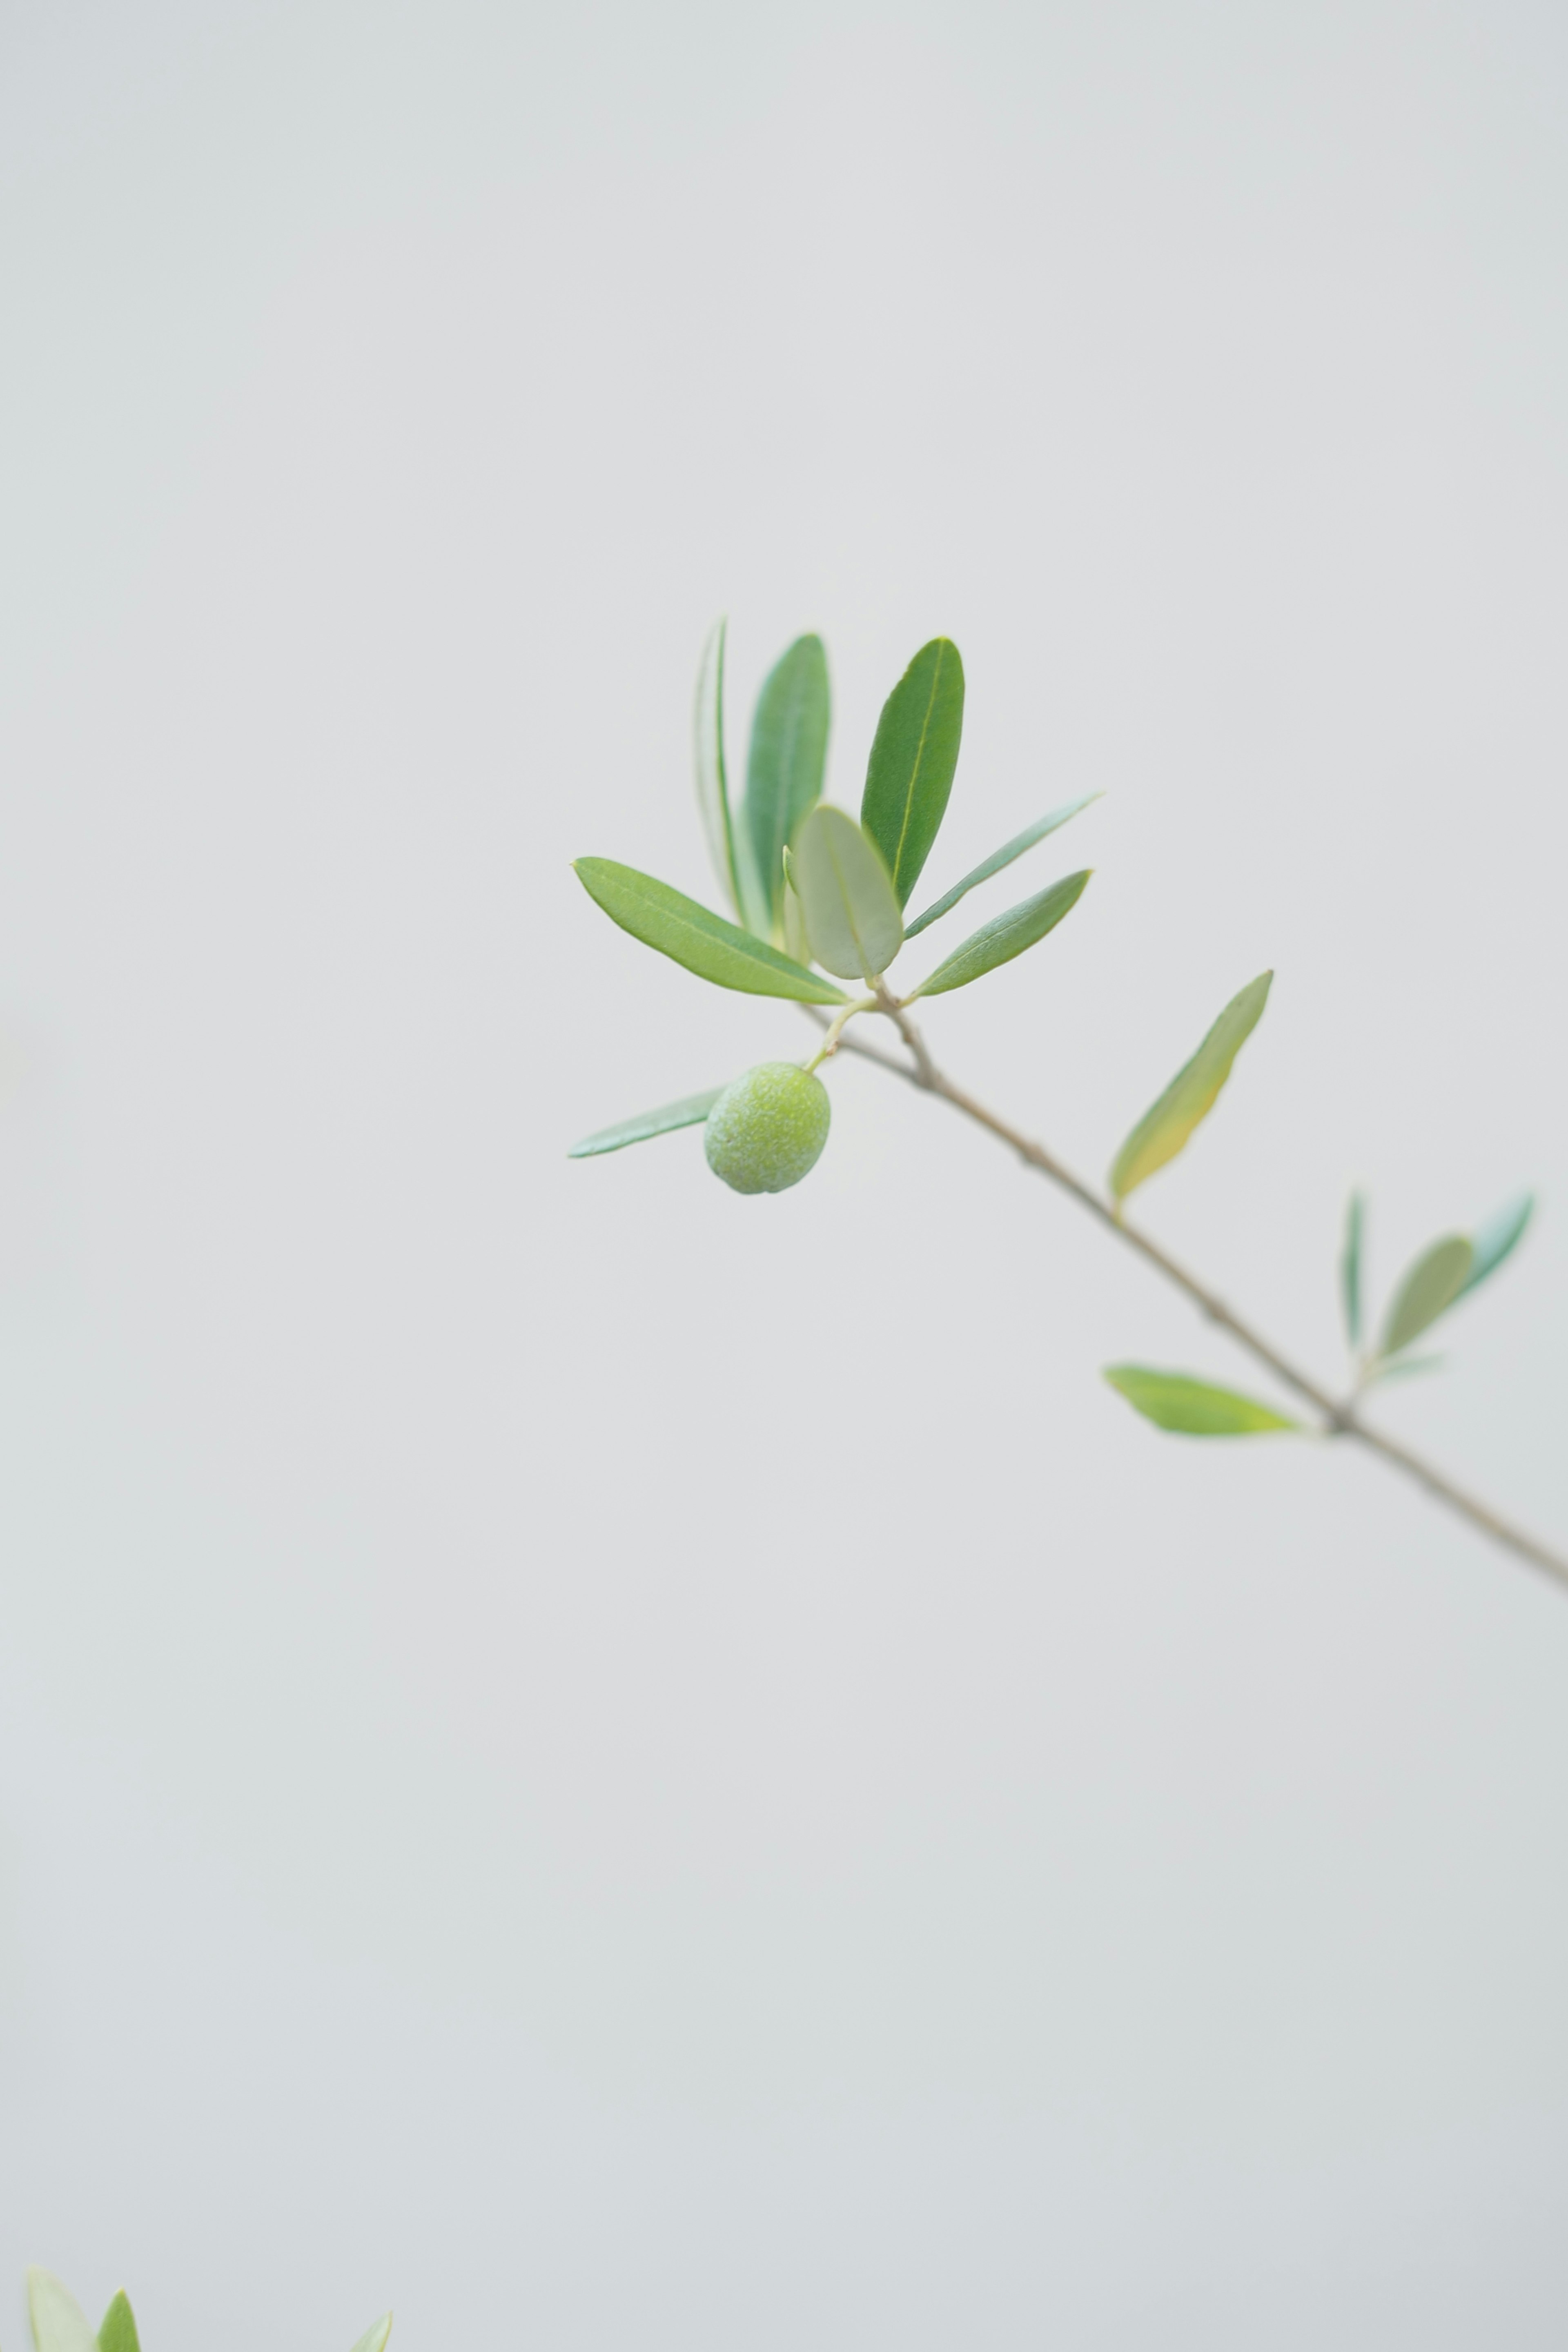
point(57, 2320)
point(1005, 937)
point(1350, 1267)
point(913, 756)
point(1164, 1128)
point(1175, 1401)
point(694, 936)
point(785, 767)
point(707, 747)
point(690, 1111)
point(1497, 1237)
point(997, 860)
point(1429, 1286)
point(852, 917)
point(728, 843)
point(118, 2331)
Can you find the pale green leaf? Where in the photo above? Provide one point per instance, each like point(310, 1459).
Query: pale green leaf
point(1005, 936)
point(788, 753)
point(375, 2338)
point(852, 917)
point(997, 860)
point(118, 2332)
point(1350, 1267)
point(1162, 1130)
point(913, 757)
point(1497, 1237)
point(690, 1111)
point(707, 745)
point(727, 842)
point(694, 936)
point(1432, 1283)
point(1195, 1409)
point(58, 2322)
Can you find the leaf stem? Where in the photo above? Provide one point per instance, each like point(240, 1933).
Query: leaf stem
point(835, 1030)
point(1340, 1418)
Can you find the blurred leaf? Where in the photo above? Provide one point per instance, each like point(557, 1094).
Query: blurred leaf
point(727, 844)
point(852, 917)
point(118, 2333)
point(1432, 1282)
point(707, 743)
point(1499, 1235)
point(997, 860)
point(59, 2324)
point(1174, 1401)
point(913, 756)
point(1005, 936)
point(692, 935)
point(1162, 1130)
point(690, 1111)
point(789, 751)
point(1405, 1369)
point(1350, 1267)
point(375, 2338)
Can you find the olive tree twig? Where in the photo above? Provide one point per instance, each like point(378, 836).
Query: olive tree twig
point(1339, 1417)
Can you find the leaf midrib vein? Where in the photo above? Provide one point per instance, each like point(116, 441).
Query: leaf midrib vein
point(915, 770)
point(715, 930)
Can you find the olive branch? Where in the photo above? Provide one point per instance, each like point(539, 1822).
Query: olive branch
point(820, 897)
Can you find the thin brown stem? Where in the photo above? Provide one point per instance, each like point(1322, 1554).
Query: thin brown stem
point(1340, 1418)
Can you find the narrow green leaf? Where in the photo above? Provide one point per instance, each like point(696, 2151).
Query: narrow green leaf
point(375, 2338)
point(693, 935)
point(1350, 1267)
point(1432, 1283)
point(707, 745)
point(727, 842)
point(913, 757)
point(690, 1111)
point(1005, 936)
point(58, 2321)
point(1497, 1237)
point(997, 860)
point(852, 917)
point(1174, 1401)
point(1163, 1129)
point(788, 754)
point(118, 2333)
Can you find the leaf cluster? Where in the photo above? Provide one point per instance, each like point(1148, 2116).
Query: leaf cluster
point(1439, 1279)
point(816, 896)
point(59, 2324)
point(1447, 1271)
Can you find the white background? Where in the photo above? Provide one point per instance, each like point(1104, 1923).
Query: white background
point(615, 1765)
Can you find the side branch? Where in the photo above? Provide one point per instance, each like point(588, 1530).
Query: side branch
point(1340, 1418)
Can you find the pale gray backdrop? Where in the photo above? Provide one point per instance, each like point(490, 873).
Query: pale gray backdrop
point(627, 1770)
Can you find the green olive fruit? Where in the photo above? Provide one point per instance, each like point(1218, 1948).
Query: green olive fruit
point(767, 1128)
